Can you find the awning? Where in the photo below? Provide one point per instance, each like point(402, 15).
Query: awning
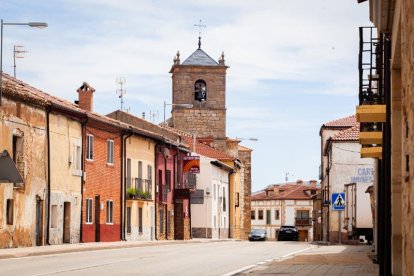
point(8, 169)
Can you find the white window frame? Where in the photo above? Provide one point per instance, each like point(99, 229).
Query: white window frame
point(89, 210)
point(89, 147)
point(77, 158)
point(109, 212)
point(110, 151)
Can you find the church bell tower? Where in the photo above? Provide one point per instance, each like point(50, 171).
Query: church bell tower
point(200, 81)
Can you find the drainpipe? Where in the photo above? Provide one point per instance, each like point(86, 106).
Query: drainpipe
point(166, 205)
point(228, 191)
point(155, 192)
point(128, 134)
point(48, 110)
point(329, 201)
point(83, 135)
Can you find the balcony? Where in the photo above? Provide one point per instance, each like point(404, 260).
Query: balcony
point(370, 137)
point(371, 152)
point(375, 113)
point(303, 221)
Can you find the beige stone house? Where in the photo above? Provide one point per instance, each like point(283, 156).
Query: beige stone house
point(386, 114)
point(284, 204)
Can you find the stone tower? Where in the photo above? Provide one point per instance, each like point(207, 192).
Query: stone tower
point(201, 81)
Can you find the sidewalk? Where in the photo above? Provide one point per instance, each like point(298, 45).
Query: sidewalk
point(8, 253)
point(322, 260)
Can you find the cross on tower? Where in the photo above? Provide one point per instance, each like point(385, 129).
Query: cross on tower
point(199, 25)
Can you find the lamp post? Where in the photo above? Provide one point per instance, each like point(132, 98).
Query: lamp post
point(30, 24)
point(177, 105)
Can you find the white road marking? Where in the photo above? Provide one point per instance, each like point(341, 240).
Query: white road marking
point(263, 262)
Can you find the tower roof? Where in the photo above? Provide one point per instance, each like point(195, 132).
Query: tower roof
point(199, 57)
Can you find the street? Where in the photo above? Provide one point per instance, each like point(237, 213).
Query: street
point(206, 258)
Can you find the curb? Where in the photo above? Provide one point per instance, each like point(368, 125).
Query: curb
point(83, 247)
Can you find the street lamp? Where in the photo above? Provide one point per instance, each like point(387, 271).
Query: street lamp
point(177, 105)
point(30, 24)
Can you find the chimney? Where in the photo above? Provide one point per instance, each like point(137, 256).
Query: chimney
point(313, 183)
point(143, 115)
point(299, 182)
point(276, 190)
point(86, 97)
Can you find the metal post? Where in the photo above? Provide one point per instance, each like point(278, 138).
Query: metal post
point(339, 226)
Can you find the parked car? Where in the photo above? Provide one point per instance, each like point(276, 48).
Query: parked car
point(257, 235)
point(288, 233)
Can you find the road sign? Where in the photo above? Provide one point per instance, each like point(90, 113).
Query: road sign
point(338, 201)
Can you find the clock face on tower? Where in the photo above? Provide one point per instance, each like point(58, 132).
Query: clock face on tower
point(200, 91)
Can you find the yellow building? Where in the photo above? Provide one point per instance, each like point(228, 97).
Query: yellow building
point(140, 188)
point(65, 136)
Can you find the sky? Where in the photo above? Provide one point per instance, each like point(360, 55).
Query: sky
point(293, 64)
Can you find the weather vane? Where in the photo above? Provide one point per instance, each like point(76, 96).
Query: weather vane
point(199, 25)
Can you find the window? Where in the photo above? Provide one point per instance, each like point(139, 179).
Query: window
point(268, 217)
point(200, 91)
point(161, 221)
point(89, 147)
point(140, 220)
point(168, 180)
point(149, 178)
point(260, 214)
point(77, 158)
point(128, 218)
point(128, 174)
point(109, 212)
point(302, 214)
point(9, 211)
point(110, 151)
point(224, 199)
point(18, 156)
point(214, 191)
point(253, 214)
point(54, 216)
point(277, 214)
point(89, 210)
point(140, 176)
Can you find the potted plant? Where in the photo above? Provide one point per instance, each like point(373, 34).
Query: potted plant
point(131, 192)
point(146, 195)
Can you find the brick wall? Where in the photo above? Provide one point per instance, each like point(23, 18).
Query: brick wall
point(104, 180)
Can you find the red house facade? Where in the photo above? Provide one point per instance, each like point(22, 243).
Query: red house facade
point(173, 208)
point(101, 200)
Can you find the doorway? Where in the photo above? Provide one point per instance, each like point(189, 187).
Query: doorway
point(66, 222)
point(39, 221)
point(97, 218)
point(303, 235)
point(178, 221)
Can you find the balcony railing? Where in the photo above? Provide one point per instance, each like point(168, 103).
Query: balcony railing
point(370, 65)
point(303, 221)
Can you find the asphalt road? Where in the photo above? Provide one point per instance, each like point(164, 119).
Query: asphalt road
point(215, 258)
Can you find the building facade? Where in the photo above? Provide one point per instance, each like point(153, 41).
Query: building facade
point(101, 204)
point(65, 135)
point(23, 133)
point(386, 103)
point(350, 174)
point(284, 204)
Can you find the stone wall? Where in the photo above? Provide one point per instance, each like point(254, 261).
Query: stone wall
point(407, 73)
point(27, 121)
point(245, 194)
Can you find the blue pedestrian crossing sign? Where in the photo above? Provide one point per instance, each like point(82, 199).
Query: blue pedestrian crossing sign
point(338, 201)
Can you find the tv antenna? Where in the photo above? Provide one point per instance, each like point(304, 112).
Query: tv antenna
point(18, 52)
point(287, 176)
point(154, 115)
point(121, 91)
